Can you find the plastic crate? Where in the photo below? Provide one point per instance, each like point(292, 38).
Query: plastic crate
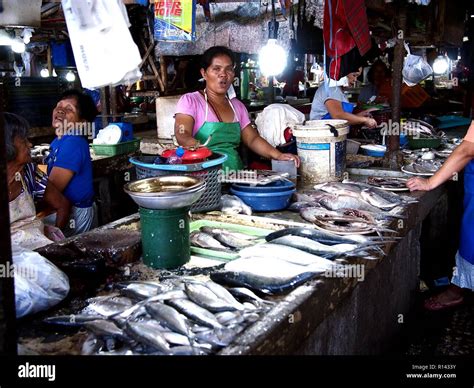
point(209, 171)
point(126, 147)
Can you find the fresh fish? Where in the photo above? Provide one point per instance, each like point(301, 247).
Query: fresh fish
point(72, 319)
point(140, 290)
point(195, 312)
point(232, 242)
point(246, 295)
point(216, 231)
point(336, 202)
point(223, 294)
point(297, 206)
point(106, 328)
point(284, 253)
point(265, 274)
point(325, 237)
point(250, 306)
point(169, 317)
point(217, 337)
point(204, 240)
point(109, 306)
point(226, 317)
point(205, 298)
point(230, 204)
point(314, 247)
point(376, 200)
point(148, 333)
point(176, 338)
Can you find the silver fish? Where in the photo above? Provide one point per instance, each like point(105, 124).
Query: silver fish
point(226, 317)
point(239, 235)
point(105, 328)
point(376, 200)
point(148, 333)
point(176, 338)
point(217, 337)
point(336, 202)
point(195, 312)
point(72, 320)
point(284, 253)
point(92, 345)
point(188, 351)
point(224, 294)
point(109, 306)
point(247, 295)
point(204, 240)
point(206, 298)
point(140, 290)
point(169, 317)
point(230, 204)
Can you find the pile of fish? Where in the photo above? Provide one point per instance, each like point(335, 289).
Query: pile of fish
point(387, 182)
point(291, 257)
point(420, 129)
point(220, 239)
point(350, 207)
point(179, 316)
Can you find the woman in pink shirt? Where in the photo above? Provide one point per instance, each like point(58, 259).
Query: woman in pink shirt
point(211, 113)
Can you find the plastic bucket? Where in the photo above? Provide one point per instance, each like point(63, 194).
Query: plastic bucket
point(165, 237)
point(321, 146)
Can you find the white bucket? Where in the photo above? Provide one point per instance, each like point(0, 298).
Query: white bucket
point(321, 146)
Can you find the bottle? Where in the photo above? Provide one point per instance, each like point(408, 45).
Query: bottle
point(177, 158)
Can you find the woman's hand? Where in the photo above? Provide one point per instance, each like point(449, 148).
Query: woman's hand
point(369, 122)
point(295, 158)
point(419, 184)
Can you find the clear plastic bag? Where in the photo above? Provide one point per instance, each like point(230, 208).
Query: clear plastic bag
point(415, 69)
point(39, 284)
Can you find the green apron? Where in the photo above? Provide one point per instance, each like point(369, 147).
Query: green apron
point(225, 139)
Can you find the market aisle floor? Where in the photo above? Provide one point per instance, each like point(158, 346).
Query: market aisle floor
point(443, 333)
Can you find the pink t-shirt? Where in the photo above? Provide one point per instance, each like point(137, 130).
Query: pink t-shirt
point(194, 104)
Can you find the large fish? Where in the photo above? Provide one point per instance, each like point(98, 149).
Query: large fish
point(169, 317)
point(284, 253)
point(337, 202)
point(195, 312)
point(148, 333)
point(265, 274)
point(205, 298)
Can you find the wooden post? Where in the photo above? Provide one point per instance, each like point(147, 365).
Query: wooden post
point(113, 103)
point(50, 65)
point(7, 295)
point(393, 141)
point(104, 105)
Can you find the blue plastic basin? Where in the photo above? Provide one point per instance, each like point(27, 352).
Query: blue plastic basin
point(273, 187)
point(265, 202)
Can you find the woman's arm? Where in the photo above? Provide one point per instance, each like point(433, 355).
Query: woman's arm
point(58, 202)
point(260, 146)
point(334, 108)
point(460, 157)
point(183, 129)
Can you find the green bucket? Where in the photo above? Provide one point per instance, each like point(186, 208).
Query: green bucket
point(165, 237)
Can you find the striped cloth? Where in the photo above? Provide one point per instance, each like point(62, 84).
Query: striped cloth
point(35, 180)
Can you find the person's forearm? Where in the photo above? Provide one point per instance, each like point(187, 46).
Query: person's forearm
point(62, 216)
point(455, 163)
point(351, 118)
point(58, 202)
point(261, 147)
point(186, 140)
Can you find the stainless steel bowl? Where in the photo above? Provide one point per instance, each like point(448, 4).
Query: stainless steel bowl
point(165, 200)
point(164, 186)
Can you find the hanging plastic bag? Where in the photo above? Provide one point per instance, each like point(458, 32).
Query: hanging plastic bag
point(39, 284)
point(415, 68)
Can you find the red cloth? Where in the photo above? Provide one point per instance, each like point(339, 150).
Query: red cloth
point(345, 26)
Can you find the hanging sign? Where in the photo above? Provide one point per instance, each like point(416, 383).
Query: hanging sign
point(175, 20)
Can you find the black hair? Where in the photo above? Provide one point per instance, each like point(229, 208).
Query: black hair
point(86, 108)
point(370, 73)
point(13, 126)
point(213, 52)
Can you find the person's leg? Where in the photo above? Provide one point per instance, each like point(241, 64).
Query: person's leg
point(463, 278)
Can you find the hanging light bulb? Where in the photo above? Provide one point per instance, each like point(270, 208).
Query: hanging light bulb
point(272, 58)
point(44, 73)
point(70, 77)
point(18, 46)
point(440, 65)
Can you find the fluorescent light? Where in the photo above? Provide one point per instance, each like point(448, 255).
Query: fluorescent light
point(70, 77)
point(465, 39)
point(44, 73)
point(272, 58)
point(440, 65)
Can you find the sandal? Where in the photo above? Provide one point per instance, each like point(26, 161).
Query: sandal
point(432, 304)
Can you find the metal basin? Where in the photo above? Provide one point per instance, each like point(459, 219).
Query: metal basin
point(168, 192)
point(164, 186)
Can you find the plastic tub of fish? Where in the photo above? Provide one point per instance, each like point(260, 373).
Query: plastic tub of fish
point(265, 202)
point(274, 187)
